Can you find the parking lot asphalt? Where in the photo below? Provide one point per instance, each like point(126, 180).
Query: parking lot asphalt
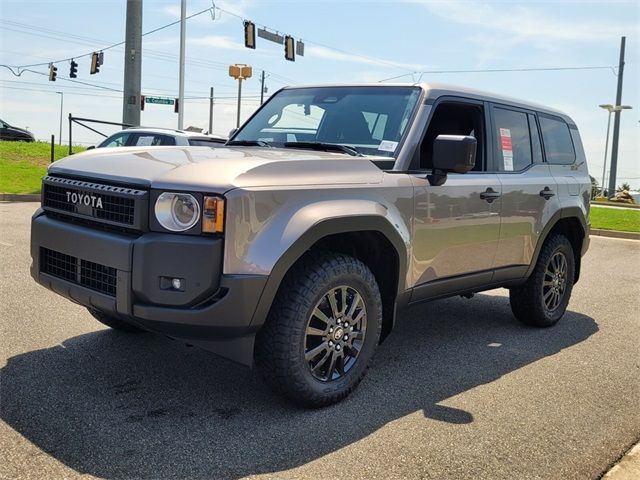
point(460, 390)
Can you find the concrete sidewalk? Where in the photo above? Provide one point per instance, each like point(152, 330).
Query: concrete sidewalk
point(628, 468)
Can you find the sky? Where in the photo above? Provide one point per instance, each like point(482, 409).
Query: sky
point(345, 41)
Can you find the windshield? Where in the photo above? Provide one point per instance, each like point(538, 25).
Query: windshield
point(371, 120)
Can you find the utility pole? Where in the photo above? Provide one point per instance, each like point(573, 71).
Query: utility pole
point(262, 88)
point(211, 111)
point(132, 64)
point(616, 124)
point(183, 28)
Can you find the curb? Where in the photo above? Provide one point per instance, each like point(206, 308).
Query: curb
point(615, 234)
point(628, 468)
point(20, 197)
point(614, 204)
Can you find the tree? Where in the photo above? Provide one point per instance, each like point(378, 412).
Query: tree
point(623, 187)
point(596, 191)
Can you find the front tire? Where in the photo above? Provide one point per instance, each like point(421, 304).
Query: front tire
point(322, 330)
point(543, 299)
point(114, 322)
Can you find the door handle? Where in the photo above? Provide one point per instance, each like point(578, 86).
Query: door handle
point(490, 195)
point(546, 193)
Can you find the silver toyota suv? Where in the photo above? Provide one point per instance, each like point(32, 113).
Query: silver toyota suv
point(296, 245)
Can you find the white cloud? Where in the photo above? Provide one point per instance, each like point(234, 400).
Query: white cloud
point(328, 54)
point(522, 22)
point(217, 41)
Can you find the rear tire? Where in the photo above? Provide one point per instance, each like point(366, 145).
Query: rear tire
point(114, 322)
point(322, 330)
point(543, 299)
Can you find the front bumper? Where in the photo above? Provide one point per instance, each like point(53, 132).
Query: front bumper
point(211, 310)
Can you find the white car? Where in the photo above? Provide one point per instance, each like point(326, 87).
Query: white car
point(132, 137)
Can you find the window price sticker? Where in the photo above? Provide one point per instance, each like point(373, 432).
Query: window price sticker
point(507, 149)
point(387, 146)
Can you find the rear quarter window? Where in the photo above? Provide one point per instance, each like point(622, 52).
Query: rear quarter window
point(556, 137)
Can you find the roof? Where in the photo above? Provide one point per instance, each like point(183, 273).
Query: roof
point(172, 131)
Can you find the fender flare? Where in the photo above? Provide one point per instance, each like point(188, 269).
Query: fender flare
point(566, 212)
point(315, 233)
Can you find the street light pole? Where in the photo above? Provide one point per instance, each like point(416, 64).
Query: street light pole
point(61, 103)
point(611, 109)
point(239, 100)
point(240, 72)
point(616, 123)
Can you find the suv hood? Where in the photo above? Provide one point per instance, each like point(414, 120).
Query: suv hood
point(218, 169)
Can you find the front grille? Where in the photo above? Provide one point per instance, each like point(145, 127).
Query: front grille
point(59, 265)
point(98, 277)
point(108, 204)
point(95, 276)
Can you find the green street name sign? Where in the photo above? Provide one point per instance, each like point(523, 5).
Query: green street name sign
point(159, 100)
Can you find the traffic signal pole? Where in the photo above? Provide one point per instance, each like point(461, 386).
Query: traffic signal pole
point(132, 64)
point(616, 125)
point(183, 28)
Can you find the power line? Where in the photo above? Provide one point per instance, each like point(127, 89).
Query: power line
point(501, 70)
point(149, 53)
point(18, 67)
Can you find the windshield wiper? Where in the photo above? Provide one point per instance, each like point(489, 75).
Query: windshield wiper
point(325, 146)
point(249, 143)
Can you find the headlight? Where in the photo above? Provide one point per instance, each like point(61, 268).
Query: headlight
point(177, 211)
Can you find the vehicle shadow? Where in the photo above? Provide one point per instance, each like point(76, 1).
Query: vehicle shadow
point(140, 406)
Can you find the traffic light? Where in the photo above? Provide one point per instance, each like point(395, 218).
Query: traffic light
point(249, 34)
point(53, 72)
point(73, 73)
point(141, 102)
point(95, 63)
point(289, 48)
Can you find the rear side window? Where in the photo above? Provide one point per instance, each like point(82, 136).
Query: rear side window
point(150, 139)
point(513, 142)
point(556, 137)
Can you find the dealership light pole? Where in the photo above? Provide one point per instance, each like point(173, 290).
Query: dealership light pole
point(61, 102)
point(610, 108)
point(616, 123)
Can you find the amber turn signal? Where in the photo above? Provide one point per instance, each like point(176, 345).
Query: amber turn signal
point(213, 215)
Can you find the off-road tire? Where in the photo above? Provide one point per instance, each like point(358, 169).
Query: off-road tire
point(281, 343)
point(528, 301)
point(114, 322)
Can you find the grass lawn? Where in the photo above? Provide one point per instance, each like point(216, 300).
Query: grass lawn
point(622, 219)
point(22, 164)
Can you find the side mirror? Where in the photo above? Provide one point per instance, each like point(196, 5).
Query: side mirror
point(90, 147)
point(232, 132)
point(452, 153)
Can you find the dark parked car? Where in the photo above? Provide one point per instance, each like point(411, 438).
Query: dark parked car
point(8, 132)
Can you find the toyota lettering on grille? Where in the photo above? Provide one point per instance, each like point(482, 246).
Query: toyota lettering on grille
point(85, 199)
